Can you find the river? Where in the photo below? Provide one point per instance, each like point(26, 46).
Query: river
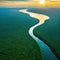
point(46, 51)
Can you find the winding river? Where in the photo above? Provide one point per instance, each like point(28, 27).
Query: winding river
point(46, 51)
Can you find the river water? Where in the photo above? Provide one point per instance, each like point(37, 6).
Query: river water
point(46, 51)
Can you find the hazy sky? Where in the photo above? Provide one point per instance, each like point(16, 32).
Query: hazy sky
point(28, 0)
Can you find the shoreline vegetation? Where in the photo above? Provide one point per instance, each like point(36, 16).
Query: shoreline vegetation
point(15, 42)
point(29, 3)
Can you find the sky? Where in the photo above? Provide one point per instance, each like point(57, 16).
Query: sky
point(28, 0)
